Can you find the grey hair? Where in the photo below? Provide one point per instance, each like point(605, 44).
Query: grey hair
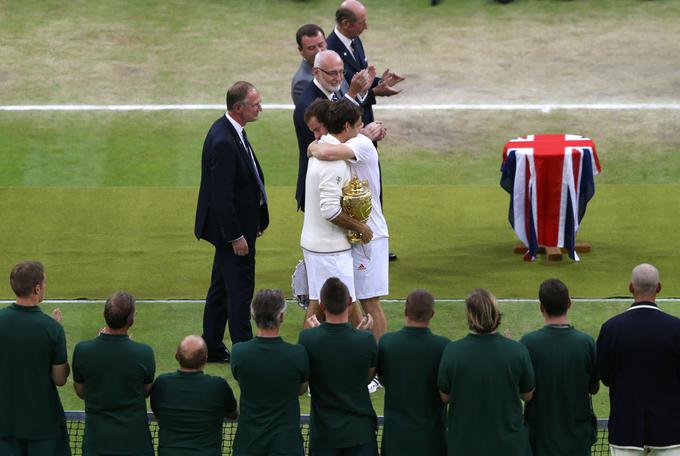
point(319, 56)
point(267, 307)
point(644, 278)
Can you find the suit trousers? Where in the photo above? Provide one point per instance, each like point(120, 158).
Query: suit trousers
point(229, 297)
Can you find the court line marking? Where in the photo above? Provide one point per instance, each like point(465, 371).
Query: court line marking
point(542, 107)
point(291, 301)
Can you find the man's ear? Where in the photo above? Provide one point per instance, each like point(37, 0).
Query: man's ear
point(630, 288)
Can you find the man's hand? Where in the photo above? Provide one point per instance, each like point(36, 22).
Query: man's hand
point(391, 78)
point(366, 233)
point(359, 84)
point(240, 246)
point(312, 322)
point(384, 90)
point(56, 314)
point(375, 131)
point(387, 81)
point(366, 323)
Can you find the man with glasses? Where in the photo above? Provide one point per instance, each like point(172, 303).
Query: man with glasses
point(328, 74)
point(232, 212)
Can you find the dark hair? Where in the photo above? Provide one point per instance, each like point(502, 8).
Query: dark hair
point(318, 109)
point(238, 93)
point(345, 13)
point(119, 310)
point(25, 277)
point(339, 113)
point(334, 296)
point(192, 359)
point(308, 30)
point(419, 305)
point(267, 307)
point(554, 295)
point(482, 311)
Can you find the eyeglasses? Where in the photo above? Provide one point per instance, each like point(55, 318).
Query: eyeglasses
point(333, 73)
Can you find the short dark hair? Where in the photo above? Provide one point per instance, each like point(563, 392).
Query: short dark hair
point(483, 314)
point(308, 30)
point(554, 295)
point(192, 359)
point(238, 93)
point(419, 305)
point(334, 296)
point(343, 13)
point(119, 310)
point(338, 114)
point(25, 277)
point(318, 109)
point(267, 307)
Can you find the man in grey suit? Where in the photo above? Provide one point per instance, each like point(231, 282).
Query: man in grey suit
point(310, 41)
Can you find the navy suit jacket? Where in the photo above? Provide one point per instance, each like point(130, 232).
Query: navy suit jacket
point(638, 358)
point(304, 137)
point(229, 196)
point(352, 66)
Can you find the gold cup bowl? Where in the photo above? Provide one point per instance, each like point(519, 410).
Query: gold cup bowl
point(356, 202)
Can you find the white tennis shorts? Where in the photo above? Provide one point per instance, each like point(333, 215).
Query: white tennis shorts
point(371, 268)
point(322, 266)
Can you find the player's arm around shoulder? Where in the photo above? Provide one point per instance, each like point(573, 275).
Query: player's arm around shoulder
point(328, 151)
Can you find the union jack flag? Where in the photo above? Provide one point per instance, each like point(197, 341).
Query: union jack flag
point(550, 179)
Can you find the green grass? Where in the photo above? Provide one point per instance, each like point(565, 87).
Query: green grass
point(83, 320)
point(449, 239)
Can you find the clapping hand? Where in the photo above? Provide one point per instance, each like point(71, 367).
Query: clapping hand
point(56, 314)
point(375, 131)
point(387, 81)
point(312, 322)
point(366, 323)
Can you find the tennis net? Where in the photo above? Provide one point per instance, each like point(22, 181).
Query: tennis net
point(75, 421)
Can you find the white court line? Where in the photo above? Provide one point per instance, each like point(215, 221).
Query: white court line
point(290, 301)
point(542, 107)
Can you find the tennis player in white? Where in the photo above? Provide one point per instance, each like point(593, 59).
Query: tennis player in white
point(325, 247)
point(370, 261)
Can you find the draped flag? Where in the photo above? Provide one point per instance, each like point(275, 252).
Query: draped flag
point(550, 179)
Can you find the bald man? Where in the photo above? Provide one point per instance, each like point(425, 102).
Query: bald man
point(351, 19)
point(638, 358)
point(191, 406)
point(327, 84)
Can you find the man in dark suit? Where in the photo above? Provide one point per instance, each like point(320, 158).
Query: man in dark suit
point(327, 82)
point(231, 214)
point(638, 358)
point(350, 21)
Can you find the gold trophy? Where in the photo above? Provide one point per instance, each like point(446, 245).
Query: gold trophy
point(356, 202)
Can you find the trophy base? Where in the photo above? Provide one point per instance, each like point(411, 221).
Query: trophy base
point(354, 237)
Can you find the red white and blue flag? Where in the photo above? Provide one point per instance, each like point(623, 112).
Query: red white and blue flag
point(550, 179)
